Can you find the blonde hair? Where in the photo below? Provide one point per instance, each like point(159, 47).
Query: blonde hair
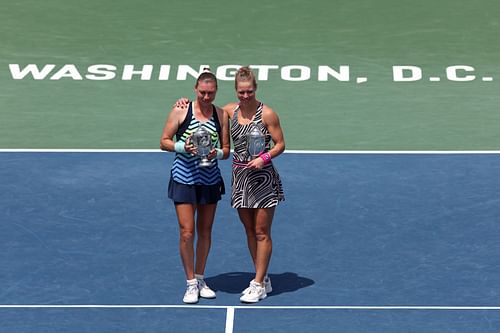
point(245, 74)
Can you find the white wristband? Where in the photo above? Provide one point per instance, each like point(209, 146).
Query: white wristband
point(220, 153)
point(179, 147)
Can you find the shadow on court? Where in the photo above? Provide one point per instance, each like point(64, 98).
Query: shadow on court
point(235, 282)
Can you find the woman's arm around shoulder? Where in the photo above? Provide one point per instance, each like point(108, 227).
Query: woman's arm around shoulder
point(229, 109)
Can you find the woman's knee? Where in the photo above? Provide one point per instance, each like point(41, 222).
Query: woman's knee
point(205, 234)
point(262, 235)
point(187, 235)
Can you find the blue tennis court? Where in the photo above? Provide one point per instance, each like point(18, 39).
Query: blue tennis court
point(375, 242)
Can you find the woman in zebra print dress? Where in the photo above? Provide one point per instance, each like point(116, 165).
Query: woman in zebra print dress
point(196, 190)
point(256, 185)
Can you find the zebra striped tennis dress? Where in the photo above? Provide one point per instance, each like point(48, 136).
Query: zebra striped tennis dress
point(252, 188)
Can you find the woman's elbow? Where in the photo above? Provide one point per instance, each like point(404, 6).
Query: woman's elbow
point(163, 145)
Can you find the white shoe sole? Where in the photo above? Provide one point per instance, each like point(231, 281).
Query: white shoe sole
point(190, 302)
point(253, 300)
point(208, 296)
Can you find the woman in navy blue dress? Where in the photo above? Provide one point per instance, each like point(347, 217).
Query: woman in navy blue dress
point(194, 189)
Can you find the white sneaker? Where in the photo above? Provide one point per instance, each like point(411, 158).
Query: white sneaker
point(267, 285)
point(205, 290)
point(192, 293)
point(254, 293)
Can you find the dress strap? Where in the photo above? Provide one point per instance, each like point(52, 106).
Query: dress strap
point(185, 123)
point(235, 112)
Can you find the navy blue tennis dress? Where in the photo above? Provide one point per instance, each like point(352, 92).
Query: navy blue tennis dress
point(252, 188)
point(190, 183)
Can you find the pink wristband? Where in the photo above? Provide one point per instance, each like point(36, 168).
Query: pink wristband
point(266, 157)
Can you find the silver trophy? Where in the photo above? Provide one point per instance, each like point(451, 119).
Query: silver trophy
point(256, 141)
point(202, 141)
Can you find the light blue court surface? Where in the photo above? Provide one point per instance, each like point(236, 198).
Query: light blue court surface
point(357, 234)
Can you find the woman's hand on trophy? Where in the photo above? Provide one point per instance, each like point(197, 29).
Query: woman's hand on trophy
point(189, 147)
point(256, 163)
point(182, 103)
point(212, 154)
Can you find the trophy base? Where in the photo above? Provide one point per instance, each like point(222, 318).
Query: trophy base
point(205, 163)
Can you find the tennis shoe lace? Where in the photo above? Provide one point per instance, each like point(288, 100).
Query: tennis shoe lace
point(192, 289)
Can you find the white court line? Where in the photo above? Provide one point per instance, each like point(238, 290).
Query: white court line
point(70, 150)
point(231, 309)
point(229, 319)
point(253, 307)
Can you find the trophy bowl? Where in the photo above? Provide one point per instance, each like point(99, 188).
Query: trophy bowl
point(256, 142)
point(202, 141)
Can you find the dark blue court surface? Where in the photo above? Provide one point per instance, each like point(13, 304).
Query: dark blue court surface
point(355, 230)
